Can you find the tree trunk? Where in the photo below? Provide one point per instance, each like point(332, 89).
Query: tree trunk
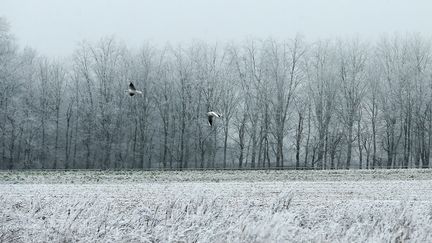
point(225, 142)
point(56, 147)
point(298, 138)
point(359, 144)
point(349, 146)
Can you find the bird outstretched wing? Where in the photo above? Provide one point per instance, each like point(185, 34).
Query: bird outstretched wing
point(131, 86)
point(212, 113)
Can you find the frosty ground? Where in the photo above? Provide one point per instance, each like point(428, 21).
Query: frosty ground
point(216, 206)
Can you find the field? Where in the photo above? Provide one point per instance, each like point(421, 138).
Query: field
point(216, 206)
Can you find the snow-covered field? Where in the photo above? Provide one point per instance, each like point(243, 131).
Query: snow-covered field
point(216, 206)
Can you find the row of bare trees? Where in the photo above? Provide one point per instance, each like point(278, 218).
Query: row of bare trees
point(328, 104)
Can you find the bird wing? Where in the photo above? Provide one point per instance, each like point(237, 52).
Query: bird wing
point(131, 86)
point(212, 113)
point(210, 120)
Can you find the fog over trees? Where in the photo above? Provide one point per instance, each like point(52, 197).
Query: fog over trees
point(330, 104)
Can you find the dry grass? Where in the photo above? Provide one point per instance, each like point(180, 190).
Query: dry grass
point(215, 209)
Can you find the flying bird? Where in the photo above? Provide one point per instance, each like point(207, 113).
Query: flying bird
point(211, 115)
point(132, 90)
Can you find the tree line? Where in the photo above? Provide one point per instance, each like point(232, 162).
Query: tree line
point(327, 104)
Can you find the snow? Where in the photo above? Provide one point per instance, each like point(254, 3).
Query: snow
point(216, 206)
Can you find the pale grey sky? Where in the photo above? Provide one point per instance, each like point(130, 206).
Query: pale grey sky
point(53, 27)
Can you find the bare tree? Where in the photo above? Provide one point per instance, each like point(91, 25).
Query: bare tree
point(352, 61)
point(285, 74)
point(323, 89)
point(57, 82)
point(326, 105)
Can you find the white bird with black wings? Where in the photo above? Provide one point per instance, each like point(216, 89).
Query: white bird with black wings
point(211, 115)
point(132, 90)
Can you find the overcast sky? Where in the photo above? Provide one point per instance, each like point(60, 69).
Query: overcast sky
point(53, 27)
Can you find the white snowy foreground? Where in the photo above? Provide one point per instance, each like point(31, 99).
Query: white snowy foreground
point(216, 206)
